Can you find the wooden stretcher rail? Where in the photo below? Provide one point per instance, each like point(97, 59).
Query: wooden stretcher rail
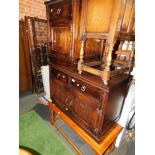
point(108, 139)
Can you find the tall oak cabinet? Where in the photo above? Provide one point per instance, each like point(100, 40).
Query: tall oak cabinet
point(83, 37)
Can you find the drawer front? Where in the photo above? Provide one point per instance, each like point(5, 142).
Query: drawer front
point(55, 74)
point(61, 10)
point(85, 88)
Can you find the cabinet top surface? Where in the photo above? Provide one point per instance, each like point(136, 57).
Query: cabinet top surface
point(92, 79)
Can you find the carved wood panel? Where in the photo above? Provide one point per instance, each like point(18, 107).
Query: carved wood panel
point(61, 39)
point(62, 96)
point(85, 109)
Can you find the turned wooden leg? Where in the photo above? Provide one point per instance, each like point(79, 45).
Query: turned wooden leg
point(108, 57)
point(81, 56)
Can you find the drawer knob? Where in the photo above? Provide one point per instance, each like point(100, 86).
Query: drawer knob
point(83, 88)
point(63, 76)
point(58, 11)
point(58, 75)
point(78, 85)
point(66, 109)
point(73, 80)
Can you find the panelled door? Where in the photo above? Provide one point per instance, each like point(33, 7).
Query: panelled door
point(61, 28)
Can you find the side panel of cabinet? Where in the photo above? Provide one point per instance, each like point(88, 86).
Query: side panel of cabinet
point(114, 104)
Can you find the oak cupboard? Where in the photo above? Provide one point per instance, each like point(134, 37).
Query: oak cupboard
point(86, 82)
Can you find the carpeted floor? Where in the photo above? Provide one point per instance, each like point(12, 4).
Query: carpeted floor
point(36, 134)
point(29, 101)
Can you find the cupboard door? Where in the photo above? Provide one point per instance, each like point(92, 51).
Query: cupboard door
point(61, 43)
point(61, 40)
point(85, 110)
point(61, 95)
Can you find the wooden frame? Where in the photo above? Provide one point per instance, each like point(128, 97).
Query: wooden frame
point(110, 36)
point(105, 73)
point(107, 143)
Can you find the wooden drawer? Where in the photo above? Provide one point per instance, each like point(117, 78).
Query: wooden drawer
point(55, 74)
point(85, 88)
point(61, 10)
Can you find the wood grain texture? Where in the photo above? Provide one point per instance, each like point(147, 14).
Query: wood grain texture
point(87, 101)
point(98, 15)
point(127, 31)
point(82, 38)
point(24, 152)
point(25, 74)
point(62, 26)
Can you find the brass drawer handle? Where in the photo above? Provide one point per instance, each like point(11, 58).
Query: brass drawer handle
point(70, 103)
point(58, 11)
point(73, 80)
point(83, 88)
point(58, 75)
